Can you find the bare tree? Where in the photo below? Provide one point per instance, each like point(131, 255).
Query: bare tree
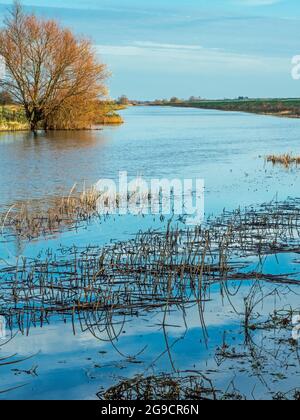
point(49, 71)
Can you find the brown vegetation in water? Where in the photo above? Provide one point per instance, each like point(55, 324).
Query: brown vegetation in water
point(155, 270)
point(28, 223)
point(182, 387)
point(285, 160)
point(107, 114)
point(102, 289)
point(12, 117)
point(163, 387)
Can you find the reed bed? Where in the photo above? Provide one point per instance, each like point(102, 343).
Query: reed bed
point(269, 229)
point(162, 387)
point(29, 220)
point(293, 395)
point(285, 160)
point(102, 289)
point(105, 286)
point(183, 387)
point(96, 286)
point(40, 218)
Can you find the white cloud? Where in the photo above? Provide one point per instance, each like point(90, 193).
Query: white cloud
point(168, 46)
point(119, 50)
point(184, 55)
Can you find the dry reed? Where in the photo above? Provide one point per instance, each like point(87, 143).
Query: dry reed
point(285, 160)
point(163, 387)
point(152, 272)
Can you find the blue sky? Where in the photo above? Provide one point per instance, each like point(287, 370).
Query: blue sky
point(211, 48)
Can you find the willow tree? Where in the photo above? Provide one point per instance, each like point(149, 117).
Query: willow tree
point(53, 74)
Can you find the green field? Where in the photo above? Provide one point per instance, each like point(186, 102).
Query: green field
point(280, 107)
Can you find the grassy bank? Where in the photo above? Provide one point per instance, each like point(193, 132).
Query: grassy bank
point(279, 107)
point(12, 117)
point(112, 119)
point(108, 114)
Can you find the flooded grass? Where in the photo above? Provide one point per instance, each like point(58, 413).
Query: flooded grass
point(163, 387)
point(34, 219)
point(154, 270)
point(104, 289)
point(24, 221)
point(179, 388)
point(285, 160)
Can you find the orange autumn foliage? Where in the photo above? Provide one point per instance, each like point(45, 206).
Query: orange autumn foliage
point(53, 74)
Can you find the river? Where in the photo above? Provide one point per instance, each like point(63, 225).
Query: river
point(226, 150)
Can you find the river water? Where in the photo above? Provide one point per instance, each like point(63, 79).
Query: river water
point(226, 150)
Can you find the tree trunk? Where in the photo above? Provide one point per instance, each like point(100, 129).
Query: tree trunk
point(35, 118)
point(33, 126)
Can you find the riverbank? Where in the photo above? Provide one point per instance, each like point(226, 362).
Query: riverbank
point(287, 108)
point(13, 126)
point(12, 117)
